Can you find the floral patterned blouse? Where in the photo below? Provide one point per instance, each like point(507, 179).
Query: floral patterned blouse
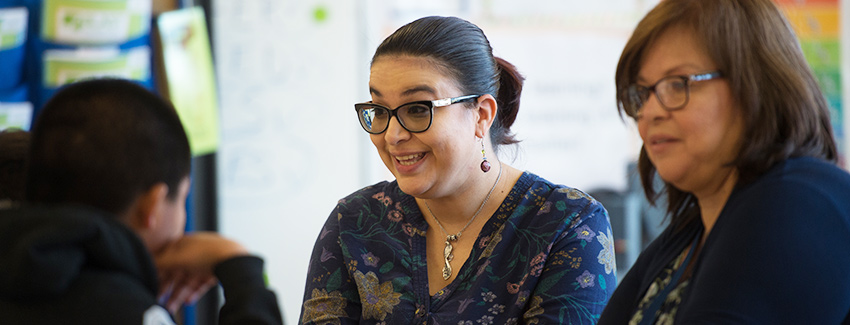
point(667, 313)
point(546, 256)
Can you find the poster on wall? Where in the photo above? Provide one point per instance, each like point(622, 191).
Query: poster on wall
point(13, 36)
point(64, 66)
point(818, 26)
point(189, 76)
point(15, 115)
point(94, 22)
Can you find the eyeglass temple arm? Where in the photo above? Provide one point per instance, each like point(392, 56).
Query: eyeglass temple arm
point(449, 101)
point(705, 76)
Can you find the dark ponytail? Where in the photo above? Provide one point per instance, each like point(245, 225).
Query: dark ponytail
point(510, 89)
point(462, 49)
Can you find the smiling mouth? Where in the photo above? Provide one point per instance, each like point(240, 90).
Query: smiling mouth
point(409, 159)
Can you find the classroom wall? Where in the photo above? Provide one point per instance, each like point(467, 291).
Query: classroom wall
point(289, 72)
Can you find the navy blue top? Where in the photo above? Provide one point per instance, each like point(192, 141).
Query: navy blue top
point(546, 256)
point(779, 253)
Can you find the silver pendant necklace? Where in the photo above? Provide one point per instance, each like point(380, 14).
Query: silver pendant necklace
point(447, 252)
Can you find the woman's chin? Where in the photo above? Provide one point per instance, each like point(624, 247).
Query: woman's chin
point(411, 186)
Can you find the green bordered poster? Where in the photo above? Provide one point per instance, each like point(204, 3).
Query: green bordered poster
point(94, 21)
point(15, 115)
point(62, 67)
point(13, 27)
point(189, 76)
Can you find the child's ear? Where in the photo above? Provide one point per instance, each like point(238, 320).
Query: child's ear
point(144, 213)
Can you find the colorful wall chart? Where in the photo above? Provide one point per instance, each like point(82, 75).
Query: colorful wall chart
point(818, 26)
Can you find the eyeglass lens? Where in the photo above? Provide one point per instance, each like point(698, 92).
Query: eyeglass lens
point(414, 117)
point(672, 93)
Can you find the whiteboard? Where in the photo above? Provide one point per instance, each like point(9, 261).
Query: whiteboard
point(287, 72)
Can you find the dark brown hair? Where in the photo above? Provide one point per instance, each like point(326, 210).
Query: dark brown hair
point(785, 114)
point(464, 52)
point(14, 147)
point(103, 142)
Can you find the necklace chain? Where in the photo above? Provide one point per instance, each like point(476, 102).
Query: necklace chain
point(447, 252)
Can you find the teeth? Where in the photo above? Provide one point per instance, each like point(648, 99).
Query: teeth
point(409, 159)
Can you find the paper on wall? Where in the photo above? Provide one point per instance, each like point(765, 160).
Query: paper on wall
point(189, 76)
point(66, 66)
point(13, 27)
point(95, 21)
point(15, 115)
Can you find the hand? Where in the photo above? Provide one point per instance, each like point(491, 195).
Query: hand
point(186, 266)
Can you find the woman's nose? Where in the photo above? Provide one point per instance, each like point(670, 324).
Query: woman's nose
point(395, 133)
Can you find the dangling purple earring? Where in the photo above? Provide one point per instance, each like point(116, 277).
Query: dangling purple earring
point(485, 165)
